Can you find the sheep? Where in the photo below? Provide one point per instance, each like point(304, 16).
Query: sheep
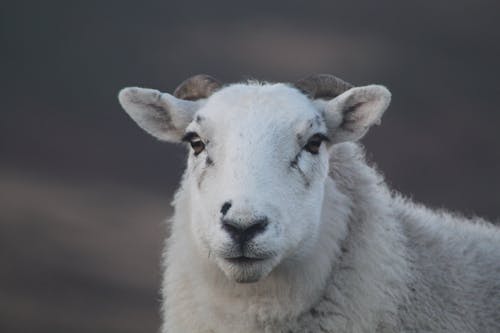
point(281, 225)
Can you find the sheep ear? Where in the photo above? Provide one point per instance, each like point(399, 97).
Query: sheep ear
point(349, 115)
point(160, 114)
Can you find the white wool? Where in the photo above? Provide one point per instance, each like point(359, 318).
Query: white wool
point(340, 252)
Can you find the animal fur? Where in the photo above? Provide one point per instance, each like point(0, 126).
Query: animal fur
point(374, 261)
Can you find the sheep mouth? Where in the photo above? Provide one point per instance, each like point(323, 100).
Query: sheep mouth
point(244, 260)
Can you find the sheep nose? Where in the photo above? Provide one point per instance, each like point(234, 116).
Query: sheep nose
point(242, 233)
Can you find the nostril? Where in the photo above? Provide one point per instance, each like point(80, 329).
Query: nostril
point(257, 227)
point(231, 228)
point(225, 207)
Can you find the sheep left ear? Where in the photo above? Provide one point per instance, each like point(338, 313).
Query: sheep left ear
point(349, 115)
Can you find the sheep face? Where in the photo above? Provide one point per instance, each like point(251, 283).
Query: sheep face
point(255, 175)
point(257, 166)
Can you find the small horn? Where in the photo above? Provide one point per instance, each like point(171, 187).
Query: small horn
point(197, 87)
point(322, 86)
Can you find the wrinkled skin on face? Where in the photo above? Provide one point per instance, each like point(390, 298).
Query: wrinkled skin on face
point(257, 165)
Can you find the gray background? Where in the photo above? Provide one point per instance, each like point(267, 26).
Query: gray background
point(84, 192)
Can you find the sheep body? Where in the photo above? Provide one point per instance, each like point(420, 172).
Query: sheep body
point(399, 267)
point(331, 248)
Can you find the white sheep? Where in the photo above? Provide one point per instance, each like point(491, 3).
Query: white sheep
point(280, 225)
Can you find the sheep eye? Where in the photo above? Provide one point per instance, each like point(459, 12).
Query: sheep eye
point(198, 146)
point(195, 142)
point(314, 143)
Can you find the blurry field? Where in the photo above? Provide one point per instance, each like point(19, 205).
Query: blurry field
point(86, 256)
point(84, 192)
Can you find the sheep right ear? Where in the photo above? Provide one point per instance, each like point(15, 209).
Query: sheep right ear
point(160, 114)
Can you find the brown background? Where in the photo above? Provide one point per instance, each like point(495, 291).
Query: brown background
point(83, 191)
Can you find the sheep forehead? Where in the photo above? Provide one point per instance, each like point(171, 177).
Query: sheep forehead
point(259, 106)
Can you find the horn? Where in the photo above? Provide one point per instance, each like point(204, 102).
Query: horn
point(322, 86)
point(197, 87)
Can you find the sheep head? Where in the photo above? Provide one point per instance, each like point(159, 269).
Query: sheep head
point(258, 160)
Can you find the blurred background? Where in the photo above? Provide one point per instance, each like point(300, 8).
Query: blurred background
point(84, 192)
